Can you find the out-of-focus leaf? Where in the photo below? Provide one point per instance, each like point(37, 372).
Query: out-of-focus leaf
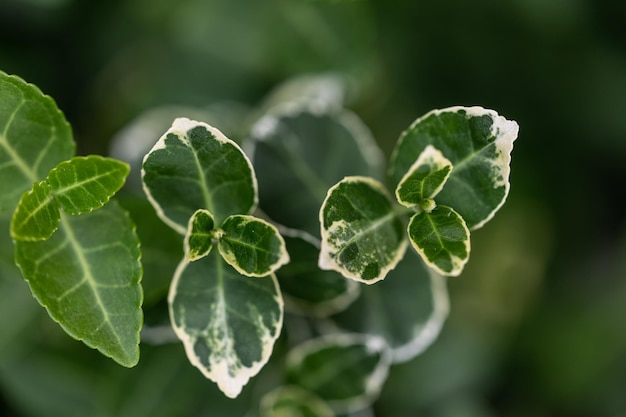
point(293, 401)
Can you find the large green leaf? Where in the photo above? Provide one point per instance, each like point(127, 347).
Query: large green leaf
point(87, 277)
point(36, 216)
point(408, 309)
point(227, 322)
point(442, 239)
point(309, 289)
point(84, 184)
point(34, 137)
point(478, 142)
point(293, 401)
point(194, 166)
point(362, 236)
point(252, 246)
point(302, 151)
point(345, 370)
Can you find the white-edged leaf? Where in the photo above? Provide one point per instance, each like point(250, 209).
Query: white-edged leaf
point(408, 309)
point(442, 239)
point(227, 322)
point(87, 276)
point(200, 234)
point(83, 184)
point(362, 236)
point(478, 142)
point(34, 137)
point(424, 179)
point(36, 216)
point(194, 166)
point(252, 246)
point(291, 400)
point(345, 370)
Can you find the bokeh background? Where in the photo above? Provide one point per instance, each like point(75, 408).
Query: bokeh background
point(538, 322)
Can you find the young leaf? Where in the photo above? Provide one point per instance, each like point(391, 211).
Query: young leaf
point(199, 237)
point(84, 184)
point(442, 239)
point(478, 142)
point(307, 288)
point(293, 401)
point(362, 237)
point(194, 166)
point(345, 370)
point(424, 179)
point(228, 323)
point(36, 216)
point(408, 309)
point(252, 246)
point(302, 151)
point(34, 137)
point(95, 296)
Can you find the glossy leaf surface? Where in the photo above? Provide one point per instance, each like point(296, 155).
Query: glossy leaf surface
point(362, 237)
point(194, 166)
point(95, 294)
point(36, 216)
point(252, 246)
point(227, 322)
point(34, 137)
point(84, 184)
point(345, 370)
point(442, 239)
point(478, 142)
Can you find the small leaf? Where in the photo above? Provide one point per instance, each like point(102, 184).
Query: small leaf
point(34, 137)
point(345, 370)
point(87, 277)
point(252, 246)
point(293, 401)
point(442, 239)
point(425, 178)
point(83, 184)
point(228, 323)
point(408, 309)
point(302, 151)
point(309, 289)
point(194, 166)
point(199, 238)
point(478, 142)
point(36, 216)
point(362, 237)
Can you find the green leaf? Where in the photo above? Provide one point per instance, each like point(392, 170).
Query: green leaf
point(308, 289)
point(36, 216)
point(87, 277)
point(345, 370)
point(293, 401)
point(478, 142)
point(424, 179)
point(227, 322)
point(408, 309)
point(200, 234)
point(194, 166)
point(252, 246)
point(34, 137)
point(84, 184)
point(362, 237)
point(302, 151)
point(442, 239)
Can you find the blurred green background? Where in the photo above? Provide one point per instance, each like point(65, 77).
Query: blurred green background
point(538, 322)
